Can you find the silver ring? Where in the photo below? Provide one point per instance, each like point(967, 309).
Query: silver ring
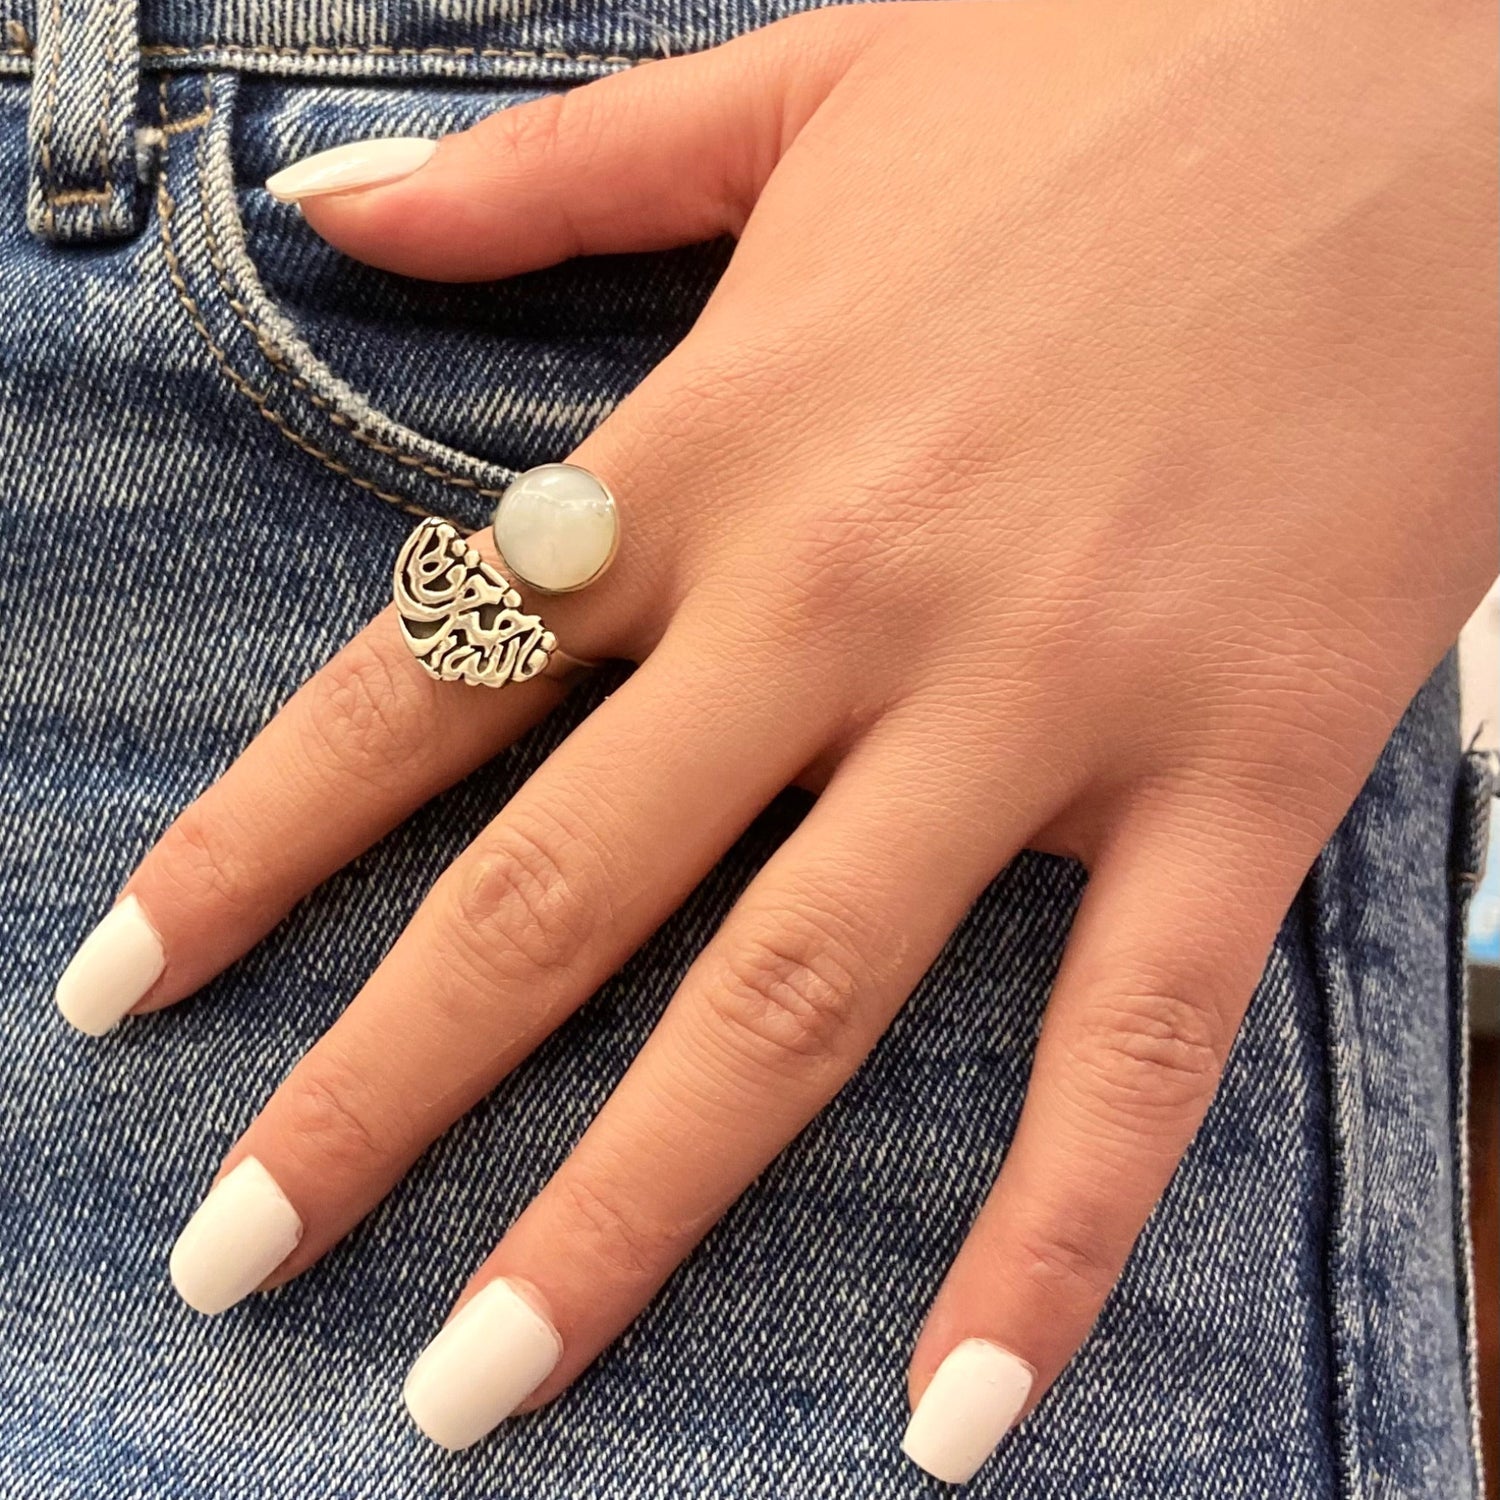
point(557, 530)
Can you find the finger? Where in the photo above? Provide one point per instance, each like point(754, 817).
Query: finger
point(771, 1020)
point(1164, 955)
point(359, 747)
point(659, 155)
point(585, 861)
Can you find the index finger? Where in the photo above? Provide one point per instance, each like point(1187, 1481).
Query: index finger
point(358, 748)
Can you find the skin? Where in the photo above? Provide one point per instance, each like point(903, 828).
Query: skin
point(1137, 364)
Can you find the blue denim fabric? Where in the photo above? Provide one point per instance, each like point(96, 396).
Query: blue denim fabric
point(83, 179)
point(193, 409)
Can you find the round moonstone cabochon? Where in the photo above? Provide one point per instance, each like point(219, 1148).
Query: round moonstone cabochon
point(556, 527)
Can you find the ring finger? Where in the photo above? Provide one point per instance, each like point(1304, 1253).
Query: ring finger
point(593, 852)
point(771, 1020)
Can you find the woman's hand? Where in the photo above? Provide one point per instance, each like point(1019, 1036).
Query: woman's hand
point(1090, 447)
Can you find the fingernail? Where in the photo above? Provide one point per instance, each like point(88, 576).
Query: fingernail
point(242, 1231)
point(481, 1367)
point(117, 963)
point(360, 164)
point(972, 1402)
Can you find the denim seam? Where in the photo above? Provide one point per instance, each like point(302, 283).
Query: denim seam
point(1329, 956)
point(166, 207)
point(267, 345)
point(111, 85)
point(524, 54)
point(53, 65)
point(53, 193)
point(1463, 1245)
point(1476, 786)
point(266, 342)
point(71, 196)
point(187, 123)
point(18, 45)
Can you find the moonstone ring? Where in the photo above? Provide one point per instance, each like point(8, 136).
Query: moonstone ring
point(556, 529)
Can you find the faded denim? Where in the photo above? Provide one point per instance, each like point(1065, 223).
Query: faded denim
point(197, 397)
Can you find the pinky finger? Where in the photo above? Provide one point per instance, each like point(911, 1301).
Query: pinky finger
point(1157, 975)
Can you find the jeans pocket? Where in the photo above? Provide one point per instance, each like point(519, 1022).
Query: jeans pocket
point(428, 397)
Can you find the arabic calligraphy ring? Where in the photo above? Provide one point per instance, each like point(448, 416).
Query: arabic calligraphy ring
point(556, 529)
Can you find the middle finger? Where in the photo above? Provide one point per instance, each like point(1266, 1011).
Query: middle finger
point(583, 863)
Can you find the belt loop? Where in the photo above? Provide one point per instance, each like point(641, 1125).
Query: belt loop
point(81, 135)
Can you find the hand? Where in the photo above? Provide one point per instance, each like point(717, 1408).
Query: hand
point(1090, 447)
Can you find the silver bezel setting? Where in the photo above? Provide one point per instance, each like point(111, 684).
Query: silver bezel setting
point(514, 572)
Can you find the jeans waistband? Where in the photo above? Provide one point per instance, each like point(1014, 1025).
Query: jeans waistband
point(86, 58)
point(379, 38)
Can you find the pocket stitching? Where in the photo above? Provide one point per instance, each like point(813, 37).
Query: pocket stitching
point(166, 208)
point(272, 352)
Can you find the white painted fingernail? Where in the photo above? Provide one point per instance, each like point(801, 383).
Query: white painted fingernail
point(117, 963)
point(360, 164)
point(972, 1402)
point(242, 1231)
point(481, 1367)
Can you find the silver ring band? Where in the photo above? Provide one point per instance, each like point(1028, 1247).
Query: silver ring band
point(462, 619)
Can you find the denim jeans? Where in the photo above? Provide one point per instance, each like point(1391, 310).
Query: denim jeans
point(212, 432)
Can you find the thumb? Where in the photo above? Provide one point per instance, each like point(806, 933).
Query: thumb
point(661, 154)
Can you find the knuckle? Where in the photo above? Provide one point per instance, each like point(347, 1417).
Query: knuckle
point(200, 855)
point(534, 133)
point(325, 1111)
point(835, 564)
point(842, 573)
point(1065, 1259)
point(362, 722)
point(520, 892)
point(787, 994)
point(629, 1246)
point(1150, 1054)
point(540, 133)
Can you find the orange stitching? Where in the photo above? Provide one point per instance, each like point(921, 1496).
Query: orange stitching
point(192, 122)
point(106, 167)
point(268, 347)
point(166, 208)
point(79, 195)
point(530, 54)
point(20, 46)
point(49, 115)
